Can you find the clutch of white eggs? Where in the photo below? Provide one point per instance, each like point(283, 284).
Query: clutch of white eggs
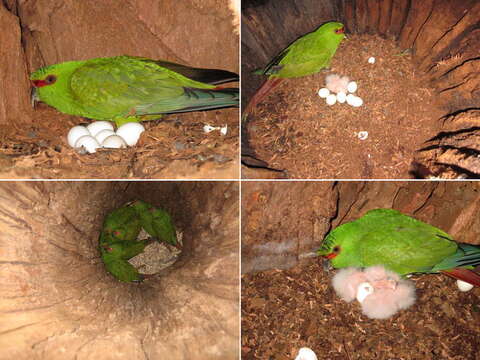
point(101, 134)
point(340, 89)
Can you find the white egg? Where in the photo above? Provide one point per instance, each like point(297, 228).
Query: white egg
point(371, 60)
point(102, 135)
point(341, 96)
point(76, 133)
point(464, 286)
point(323, 93)
point(98, 126)
point(130, 132)
point(114, 142)
point(357, 102)
point(352, 87)
point(306, 354)
point(88, 142)
point(363, 290)
point(331, 99)
point(354, 101)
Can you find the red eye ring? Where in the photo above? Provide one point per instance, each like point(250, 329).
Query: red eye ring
point(340, 31)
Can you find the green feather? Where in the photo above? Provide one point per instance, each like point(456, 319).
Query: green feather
point(397, 241)
point(127, 88)
point(308, 54)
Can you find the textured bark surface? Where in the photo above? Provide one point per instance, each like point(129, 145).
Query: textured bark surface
point(284, 222)
point(58, 302)
point(444, 36)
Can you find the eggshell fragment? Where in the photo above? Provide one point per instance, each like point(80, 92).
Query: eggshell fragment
point(102, 135)
point(464, 286)
point(114, 142)
point(362, 135)
point(76, 133)
point(88, 142)
point(323, 93)
point(223, 130)
point(130, 132)
point(352, 87)
point(98, 126)
point(364, 290)
point(331, 99)
point(208, 128)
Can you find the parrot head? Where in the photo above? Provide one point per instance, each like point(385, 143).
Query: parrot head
point(52, 82)
point(337, 29)
point(113, 249)
point(339, 249)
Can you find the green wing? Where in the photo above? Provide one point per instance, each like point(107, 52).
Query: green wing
point(122, 270)
point(163, 227)
point(156, 222)
point(402, 243)
point(126, 86)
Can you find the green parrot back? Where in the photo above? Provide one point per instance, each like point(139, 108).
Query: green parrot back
point(128, 88)
point(390, 238)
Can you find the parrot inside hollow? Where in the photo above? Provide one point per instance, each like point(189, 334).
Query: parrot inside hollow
point(402, 244)
point(122, 224)
point(118, 238)
point(156, 222)
point(131, 89)
point(305, 56)
point(115, 255)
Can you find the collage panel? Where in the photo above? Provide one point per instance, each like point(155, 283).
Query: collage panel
point(119, 270)
point(360, 89)
point(151, 75)
point(360, 270)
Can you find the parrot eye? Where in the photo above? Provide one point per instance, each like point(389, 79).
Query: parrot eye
point(340, 31)
point(50, 79)
point(336, 249)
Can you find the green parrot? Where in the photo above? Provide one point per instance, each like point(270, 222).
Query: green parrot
point(131, 89)
point(305, 56)
point(116, 254)
point(118, 238)
point(402, 244)
point(122, 224)
point(156, 222)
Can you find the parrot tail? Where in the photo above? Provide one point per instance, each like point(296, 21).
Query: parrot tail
point(460, 264)
point(201, 99)
point(263, 91)
point(466, 275)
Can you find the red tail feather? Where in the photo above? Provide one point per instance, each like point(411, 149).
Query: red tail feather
point(266, 87)
point(465, 275)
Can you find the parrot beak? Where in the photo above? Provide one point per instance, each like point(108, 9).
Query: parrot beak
point(326, 266)
point(34, 97)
